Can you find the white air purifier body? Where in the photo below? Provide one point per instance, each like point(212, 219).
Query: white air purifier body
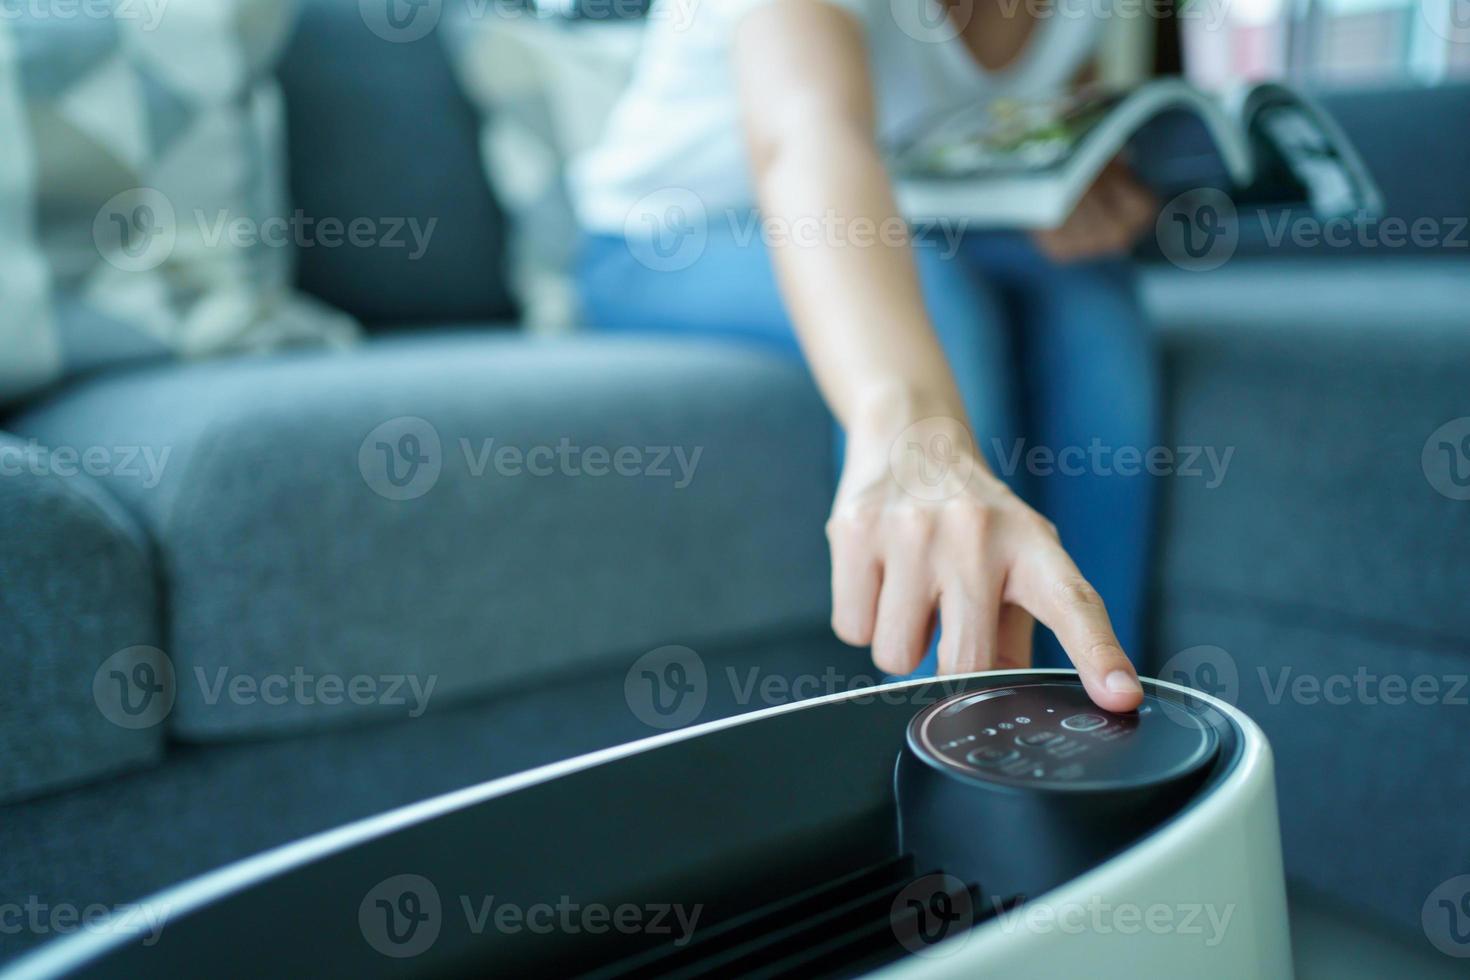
point(986, 825)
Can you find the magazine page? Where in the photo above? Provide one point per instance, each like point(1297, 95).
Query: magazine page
point(1311, 146)
point(1012, 163)
point(1007, 136)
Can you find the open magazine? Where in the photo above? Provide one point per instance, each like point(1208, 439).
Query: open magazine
point(1025, 164)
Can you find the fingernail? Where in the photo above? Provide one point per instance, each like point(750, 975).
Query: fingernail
point(1122, 682)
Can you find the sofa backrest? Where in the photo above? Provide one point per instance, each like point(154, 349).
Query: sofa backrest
point(1411, 141)
point(379, 129)
point(1415, 141)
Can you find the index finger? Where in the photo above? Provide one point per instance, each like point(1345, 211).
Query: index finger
point(1049, 585)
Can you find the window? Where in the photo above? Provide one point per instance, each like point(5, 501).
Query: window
point(1326, 42)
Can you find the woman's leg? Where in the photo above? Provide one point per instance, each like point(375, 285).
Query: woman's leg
point(1091, 399)
point(971, 323)
point(728, 291)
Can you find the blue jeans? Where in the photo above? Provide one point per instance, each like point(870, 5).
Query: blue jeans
point(1056, 365)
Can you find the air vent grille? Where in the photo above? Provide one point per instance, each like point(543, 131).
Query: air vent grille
point(841, 928)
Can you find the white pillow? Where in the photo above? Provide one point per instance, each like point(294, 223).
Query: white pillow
point(544, 87)
point(143, 164)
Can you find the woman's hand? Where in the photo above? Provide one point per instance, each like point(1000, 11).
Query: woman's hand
point(921, 525)
point(930, 528)
point(1108, 220)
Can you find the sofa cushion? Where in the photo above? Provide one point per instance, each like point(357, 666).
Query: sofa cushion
point(1370, 768)
point(1320, 585)
point(1331, 385)
point(141, 191)
point(115, 842)
point(1300, 301)
point(377, 128)
point(76, 598)
point(421, 512)
point(1386, 125)
point(545, 88)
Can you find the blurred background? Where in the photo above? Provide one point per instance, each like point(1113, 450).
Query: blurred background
point(279, 283)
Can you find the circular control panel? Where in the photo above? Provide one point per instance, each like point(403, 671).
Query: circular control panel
point(1051, 736)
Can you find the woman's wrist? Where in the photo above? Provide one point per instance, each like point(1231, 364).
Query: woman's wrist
point(881, 411)
point(883, 415)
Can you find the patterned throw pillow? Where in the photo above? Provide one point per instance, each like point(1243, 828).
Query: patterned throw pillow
point(142, 193)
point(544, 86)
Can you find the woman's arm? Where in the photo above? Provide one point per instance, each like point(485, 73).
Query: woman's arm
point(979, 556)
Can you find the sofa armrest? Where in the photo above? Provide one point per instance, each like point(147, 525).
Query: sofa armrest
point(467, 511)
point(76, 589)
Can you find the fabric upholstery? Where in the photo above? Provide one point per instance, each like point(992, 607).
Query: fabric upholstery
point(378, 129)
point(76, 588)
point(1324, 576)
point(141, 194)
point(285, 547)
point(544, 88)
point(120, 840)
point(1327, 382)
point(1404, 155)
point(1331, 299)
point(1370, 789)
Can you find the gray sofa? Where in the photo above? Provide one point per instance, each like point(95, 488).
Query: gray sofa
point(1329, 555)
point(265, 547)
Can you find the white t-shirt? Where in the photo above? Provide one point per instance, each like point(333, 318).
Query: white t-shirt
point(678, 123)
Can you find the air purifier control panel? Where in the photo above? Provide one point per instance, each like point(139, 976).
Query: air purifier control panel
point(1027, 784)
point(1051, 736)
